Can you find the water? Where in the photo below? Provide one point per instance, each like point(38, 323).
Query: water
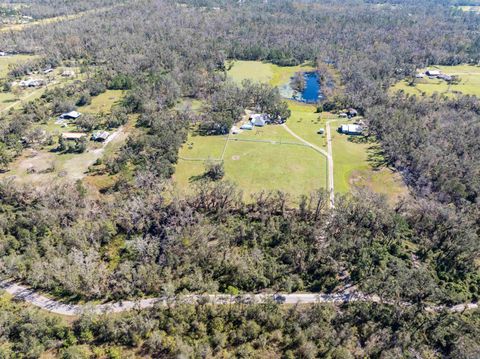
point(311, 93)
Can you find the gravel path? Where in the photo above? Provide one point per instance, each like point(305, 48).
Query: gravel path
point(32, 297)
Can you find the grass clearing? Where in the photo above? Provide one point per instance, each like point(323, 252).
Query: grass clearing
point(469, 83)
point(264, 72)
point(275, 165)
point(103, 103)
point(6, 61)
point(256, 166)
point(354, 165)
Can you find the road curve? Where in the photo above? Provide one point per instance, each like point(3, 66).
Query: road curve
point(329, 155)
point(32, 297)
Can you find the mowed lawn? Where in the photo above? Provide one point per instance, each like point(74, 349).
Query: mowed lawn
point(254, 166)
point(469, 82)
point(103, 103)
point(354, 167)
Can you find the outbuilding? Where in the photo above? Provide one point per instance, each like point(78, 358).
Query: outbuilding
point(353, 129)
point(72, 115)
point(432, 73)
point(73, 135)
point(247, 126)
point(100, 136)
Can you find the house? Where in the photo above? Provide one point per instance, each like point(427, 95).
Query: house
point(419, 76)
point(32, 83)
point(343, 114)
point(444, 77)
point(353, 129)
point(72, 115)
point(100, 136)
point(258, 119)
point(235, 130)
point(72, 135)
point(68, 73)
point(3, 53)
point(247, 126)
point(432, 73)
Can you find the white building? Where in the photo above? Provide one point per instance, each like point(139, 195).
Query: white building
point(351, 129)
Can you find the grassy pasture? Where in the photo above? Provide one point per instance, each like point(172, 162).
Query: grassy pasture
point(6, 61)
point(263, 72)
point(355, 166)
point(104, 102)
point(469, 83)
point(255, 166)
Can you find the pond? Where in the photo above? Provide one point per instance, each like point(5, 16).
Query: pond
point(311, 92)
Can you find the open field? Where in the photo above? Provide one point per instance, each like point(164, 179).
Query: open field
point(355, 167)
point(469, 83)
point(104, 102)
point(6, 61)
point(264, 72)
point(255, 165)
point(471, 8)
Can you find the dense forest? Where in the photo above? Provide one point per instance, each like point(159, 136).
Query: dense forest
point(243, 331)
point(141, 239)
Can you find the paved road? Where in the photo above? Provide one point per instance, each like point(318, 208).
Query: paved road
point(30, 296)
point(328, 154)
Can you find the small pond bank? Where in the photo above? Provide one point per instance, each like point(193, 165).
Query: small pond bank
point(311, 92)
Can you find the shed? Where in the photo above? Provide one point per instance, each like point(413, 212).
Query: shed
point(47, 71)
point(100, 136)
point(68, 73)
point(321, 131)
point(432, 72)
point(247, 126)
point(73, 135)
point(72, 115)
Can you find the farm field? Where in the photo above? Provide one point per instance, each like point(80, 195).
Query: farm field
point(469, 83)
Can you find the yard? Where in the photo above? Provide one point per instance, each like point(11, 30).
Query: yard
point(255, 165)
point(42, 165)
point(469, 83)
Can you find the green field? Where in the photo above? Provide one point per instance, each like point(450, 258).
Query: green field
point(469, 83)
point(255, 166)
point(6, 61)
point(104, 102)
point(264, 72)
point(354, 167)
